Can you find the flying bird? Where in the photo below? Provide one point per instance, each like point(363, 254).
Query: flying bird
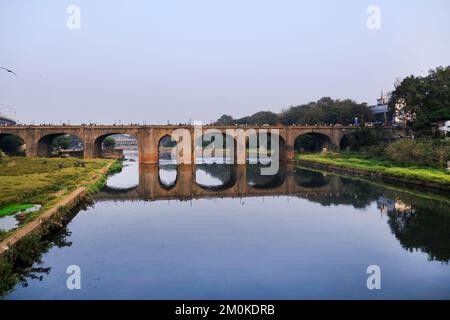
point(10, 71)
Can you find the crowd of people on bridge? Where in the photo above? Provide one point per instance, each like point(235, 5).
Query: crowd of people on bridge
point(179, 124)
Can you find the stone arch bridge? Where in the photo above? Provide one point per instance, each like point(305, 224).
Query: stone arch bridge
point(38, 138)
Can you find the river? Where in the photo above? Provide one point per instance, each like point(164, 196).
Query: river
point(226, 232)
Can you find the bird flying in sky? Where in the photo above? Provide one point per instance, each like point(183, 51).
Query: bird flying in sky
point(10, 71)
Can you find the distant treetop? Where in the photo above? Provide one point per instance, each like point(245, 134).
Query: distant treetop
point(324, 111)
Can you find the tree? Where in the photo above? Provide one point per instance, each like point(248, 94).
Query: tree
point(327, 111)
point(225, 120)
point(425, 100)
point(11, 144)
point(109, 143)
point(360, 138)
point(62, 142)
point(259, 118)
point(263, 117)
point(323, 111)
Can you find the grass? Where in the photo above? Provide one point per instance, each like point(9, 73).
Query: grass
point(13, 208)
point(94, 187)
point(45, 181)
point(354, 160)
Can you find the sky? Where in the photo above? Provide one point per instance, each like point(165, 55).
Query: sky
point(181, 61)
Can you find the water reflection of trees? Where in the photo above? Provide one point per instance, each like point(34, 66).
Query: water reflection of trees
point(418, 223)
point(330, 190)
point(23, 262)
point(423, 225)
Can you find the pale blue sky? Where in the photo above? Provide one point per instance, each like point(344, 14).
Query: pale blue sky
point(175, 60)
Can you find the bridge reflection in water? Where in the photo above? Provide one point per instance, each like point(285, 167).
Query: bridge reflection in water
point(419, 223)
point(284, 248)
point(165, 182)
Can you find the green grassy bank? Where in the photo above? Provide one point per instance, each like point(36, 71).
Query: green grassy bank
point(13, 208)
point(353, 160)
point(25, 182)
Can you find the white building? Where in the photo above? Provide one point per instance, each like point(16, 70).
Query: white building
point(124, 140)
point(381, 109)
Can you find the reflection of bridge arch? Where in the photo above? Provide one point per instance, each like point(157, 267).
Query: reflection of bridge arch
point(115, 190)
point(228, 182)
point(258, 181)
point(150, 187)
point(168, 184)
point(311, 179)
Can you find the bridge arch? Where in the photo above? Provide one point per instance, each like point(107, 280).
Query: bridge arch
point(105, 148)
point(12, 144)
point(166, 145)
point(313, 142)
point(209, 150)
point(344, 143)
point(55, 143)
point(250, 153)
point(356, 139)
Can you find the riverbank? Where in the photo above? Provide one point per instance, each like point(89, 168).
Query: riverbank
point(353, 164)
point(52, 185)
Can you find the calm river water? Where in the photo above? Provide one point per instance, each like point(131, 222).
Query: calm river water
point(226, 232)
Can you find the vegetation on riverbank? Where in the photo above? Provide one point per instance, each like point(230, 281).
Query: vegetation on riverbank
point(358, 160)
point(17, 264)
point(425, 100)
point(420, 152)
point(13, 208)
point(45, 182)
point(25, 181)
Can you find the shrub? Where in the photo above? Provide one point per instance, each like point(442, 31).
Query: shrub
point(376, 151)
point(359, 139)
point(421, 152)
